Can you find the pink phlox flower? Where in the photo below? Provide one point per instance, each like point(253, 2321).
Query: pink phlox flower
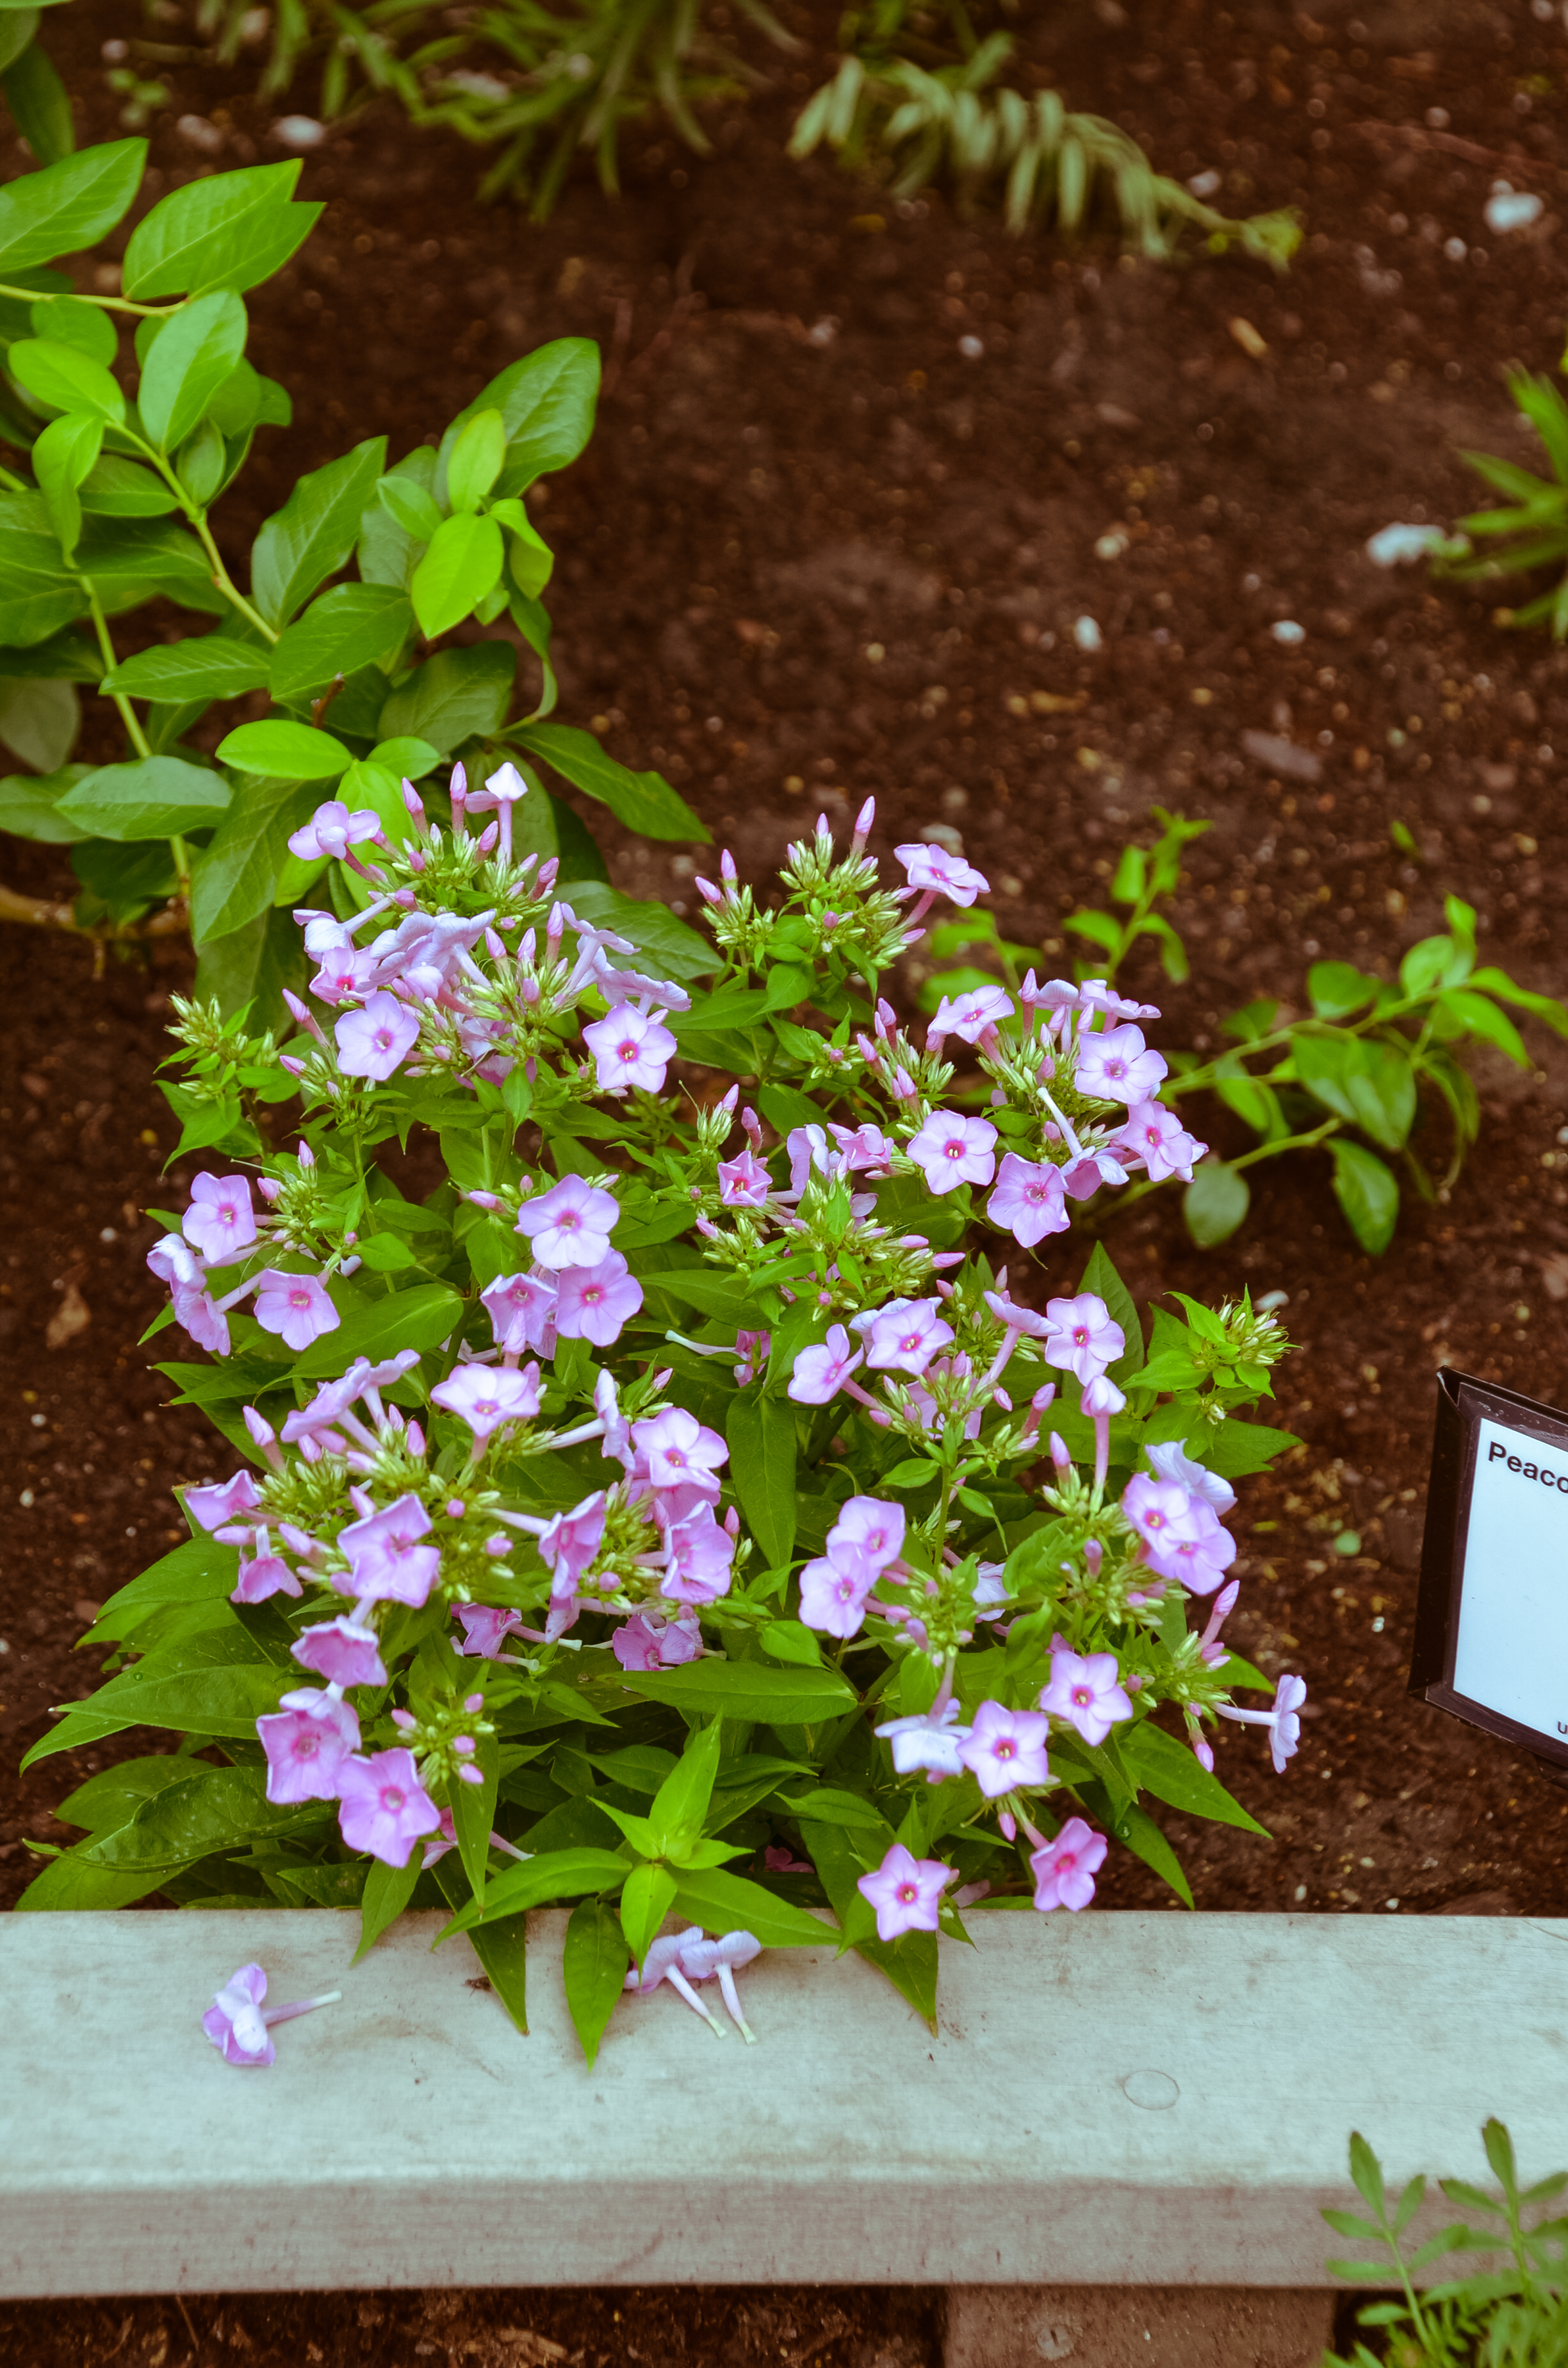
point(202, 1319)
point(680, 1451)
point(1083, 1176)
point(631, 1048)
point(617, 1430)
point(443, 1840)
point(386, 1558)
point(233, 2021)
point(819, 1372)
point(1028, 1200)
point(373, 1041)
point(863, 1150)
point(992, 1593)
point(662, 1959)
point(487, 1398)
point(424, 953)
point(874, 1529)
point(698, 1554)
point(1210, 1650)
point(1098, 995)
point(343, 974)
point(175, 1262)
point(306, 1742)
point(903, 1336)
point(808, 1148)
point(569, 1541)
point(219, 1221)
point(906, 1891)
point(1172, 1463)
point(618, 985)
point(1057, 997)
point(1164, 1513)
point(833, 1590)
point(646, 1641)
point(1017, 1318)
point(1116, 1066)
point(382, 1808)
point(1064, 1870)
point(932, 867)
point(970, 1015)
point(330, 1404)
point(1083, 1340)
point(1283, 1721)
point(754, 1349)
point(743, 1181)
point(932, 1740)
point(521, 1308)
point(1086, 1689)
point(1101, 1397)
point(592, 1302)
point(1155, 1136)
point(295, 1306)
point(950, 1150)
point(1006, 1750)
point(1200, 1561)
point(265, 1574)
point(485, 1626)
point(707, 1961)
point(222, 1501)
point(570, 1224)
point(341, 1652)
point(333, 830)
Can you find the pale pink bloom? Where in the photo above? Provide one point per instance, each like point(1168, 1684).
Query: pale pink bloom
point(874, 1529)
point(594, 1301)
point(743, 1181)
point(752, 1351)
point(521, 1308)
point(295, 1306)
point(707, 1961)
point(1209, 1646)
point(950, 1150)
point(265, 1574)
point(631, 1048)
point(1156, 1136)
point(820, 1373)
point(1171, 1461)
point(1117, 1066)
point(1028, 1202)
point(834, 1590)
point(484, 1629)
point(932, 1740)
point(865, 1151)
point(382, 1807)
point(680, 1450)
point(906, 1893)
point(1083, 1339)
point(570, 1224)
point(200, 1315)
point(1102, 1398)
point(1098, 995)
point(371, 1041)
point(234, 2021)
point(646, 1641)
point(486, 1396)
point(333, 830)
point(808, 1148)
point(699, 1555)
point(344, 972)
point(333, 1399)
point(1083, 1176)
point(1199, 1561)
point(220, 1221)
point(219, 1502)
point(1163, 1514)
point(969, 1016)
point(944, 875)
point(903, 1336)
point(1064, 1870)
point(386, 1558)
point(1006, 1750)
point(341, 1653)
point(568, 1543)
point(1084, 1688)
point(173, 1261)
point(306, 1743)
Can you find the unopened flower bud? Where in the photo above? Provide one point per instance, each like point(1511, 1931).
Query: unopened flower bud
point(706, 890)
point(456, 1509)
point(1058, 1454)
point(727, 871)
point(498, 1545)
point(473, 1701)
point(488, 836)
point(268, 1187)
point(413, 803)
point(471, 1774)
point(403, 1718)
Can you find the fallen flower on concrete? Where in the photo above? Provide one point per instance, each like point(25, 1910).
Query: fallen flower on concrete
point(239, 2025)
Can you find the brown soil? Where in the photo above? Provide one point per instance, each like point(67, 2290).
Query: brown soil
point(817, 550)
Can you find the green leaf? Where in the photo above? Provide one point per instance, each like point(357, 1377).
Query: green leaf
point(39, 105)
point(39, 723)
point(154, 797)
point(1368, 2173)
point(286, 750)
point(1481, 1019)
point(120, 488)
point(1101, 1277)
point(455, 695)
point(191, 356)
point(199, 1572)
point(353, 625)
point(63, 455)
point(792, 1641)
point(762, 1440)
point(721, 1902)
point(233, 230)
point(29, 805)
point(127, 880)
point(914, 1472)
point(553, 1875)
point(107, 1801)
point(206, 667)
point(1540, 1007)
point(68, 206)
point(1215, 1203)
point(1370, 1083)
point(212, 1809)
point(463, 562)
point(232, 879)
point(647, 1896)
point(1165, 1768)
point(475, 460)
point(1336, 989)
point(593, 1967)
point(681, 1801)
point(66, 377)
point(1238, 1448)
point(746, 1689)
point(421, 1318)
point(546, 401)
point(1143, 1838)
point(1366, 1192)
point(473, 1812)
point(408, 503)
point(77, 1883)
point(219, 1700)
point(18, 27)
point(671, 950)
point(644, 802)
point(388, 1890)
point(310, 537)
point(500, 1944)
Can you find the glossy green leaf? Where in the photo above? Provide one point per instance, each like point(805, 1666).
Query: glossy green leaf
point(552, 1874)
point(232, 879)
point(77, 1883)
point(762, 1442)
point(408, 503)
point(39, 723)
point(212, 1809)
point(593, 1967)
point(388, 1890)
point(1366, 1192)
point(790, 1640)
point(646, 1898)
point(201, 1571)
point(232, 230)
point(63, 455)
point(547, 402)
point(68, 206)
point(1336, 989)
point(1161, 1765)
point(66, 377)
point(106, 1801)
point(226, 1700)
point(121, 488)
point(390, 538)
point(462, 563)
point(154, 797)
point(644, 802)
point(207, 666)
point(29, 805)
point(473, 1814)
point(194, 353)
point(746, 1690)
point(353, 625)
point(455, 695)
point(285, 750)
point(310, 537)
point(1215, 1203)
point(721, 1902)
point(681, 1801)
point(39, 104)
point(476, 459)
point(71, 321)
point(666, 944)
point(421, 1318)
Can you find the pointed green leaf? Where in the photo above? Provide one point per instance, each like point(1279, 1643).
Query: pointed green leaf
point(456, 695)
point(721, 1902)
point(1161, 1765)
point(681, 1801)
point(233, 230)
point(475, 460)
point(646, 1898)
point(552, 1876)
point(155, 797)
point(38, 721)
point(68, 206)
point(207, 666)
point(285, 751)
point(546, 401)
point(39, 104)
point(1368, 2173)
point(746, 1690)
point(66, 377)
point(762, 1442)
point(352, 626)
point(473, 1812)
point(644, 802)
point(1366, 1192)
point(193, 354)
point(462, 563)
point(388, 1890)
point(232, 879)
point(310, 537)
point(594, 1965)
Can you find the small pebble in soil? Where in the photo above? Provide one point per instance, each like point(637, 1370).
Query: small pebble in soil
point(972, 350)
point(1087, 635)
point(299, 131)
point(1509, 209)
point(1287, 633)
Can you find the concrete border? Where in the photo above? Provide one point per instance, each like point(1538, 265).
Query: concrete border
point(1117, 2099)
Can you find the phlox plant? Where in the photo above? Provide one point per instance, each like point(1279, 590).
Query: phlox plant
point(668, 1503)
point(114, 510)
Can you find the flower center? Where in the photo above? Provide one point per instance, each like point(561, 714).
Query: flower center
point(1081, 1337)
point(907, 1895)
point(628, 1051)
point(1082, 1697)
point(1007, 1748)
point(1154, 1521)
point(306, 1745)
point(593, 1293)
point(953, 1147)
point(391, 1798)
point(301, 1299)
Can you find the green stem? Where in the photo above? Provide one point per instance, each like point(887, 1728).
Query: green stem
point(1194, 1081)
point(198, 517)
point(128, 715)
point(105, 304)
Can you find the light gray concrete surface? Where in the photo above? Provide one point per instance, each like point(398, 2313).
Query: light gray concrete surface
point(1137, 2326)
point(1111, 2099)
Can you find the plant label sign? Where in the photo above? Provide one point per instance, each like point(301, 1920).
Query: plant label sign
point(1492, 1618)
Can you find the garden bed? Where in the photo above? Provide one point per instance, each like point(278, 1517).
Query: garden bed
point(796, 468)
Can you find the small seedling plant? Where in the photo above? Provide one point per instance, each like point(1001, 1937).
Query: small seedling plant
point(666, 1504)
point(1350, 1076)
point(1508, 2316)
point(340, 621)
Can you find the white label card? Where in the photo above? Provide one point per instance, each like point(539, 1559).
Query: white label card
point(1511, 1654)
